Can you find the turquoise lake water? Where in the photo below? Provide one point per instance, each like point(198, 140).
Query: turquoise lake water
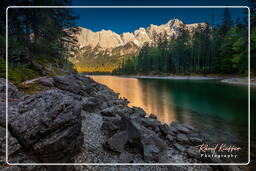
point(220, 110)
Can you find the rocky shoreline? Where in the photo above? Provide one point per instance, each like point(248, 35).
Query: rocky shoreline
point(178, 77)
point(74, 119)
point(240, 81)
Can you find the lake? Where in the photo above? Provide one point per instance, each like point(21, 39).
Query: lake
point(217, 109)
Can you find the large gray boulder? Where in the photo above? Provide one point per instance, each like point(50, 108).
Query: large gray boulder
point(48, 126)
point(13, 92)
point(109, 126)
point(16, 154)
point(75, 84)
point(13, 95)
point(12, 112)
point(2, 110)
point(153, 148)
point(133, 128)
point(118, 141)
point(90, 104)
point(136, 135)
point(95, 96)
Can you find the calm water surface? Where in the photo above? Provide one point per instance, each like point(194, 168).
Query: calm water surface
point(219, 110)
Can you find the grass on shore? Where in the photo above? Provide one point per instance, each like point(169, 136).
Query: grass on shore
point(17, 73)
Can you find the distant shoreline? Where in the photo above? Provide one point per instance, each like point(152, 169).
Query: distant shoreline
point(179, 77)
point(235, 80)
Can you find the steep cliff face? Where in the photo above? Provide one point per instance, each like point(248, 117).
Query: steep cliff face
point(104, 50)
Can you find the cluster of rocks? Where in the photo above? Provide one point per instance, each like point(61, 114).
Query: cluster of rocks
point(130, 128)
point(79, 120)
point(46, 127)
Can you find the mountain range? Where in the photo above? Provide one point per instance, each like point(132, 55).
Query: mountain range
point(104, 50)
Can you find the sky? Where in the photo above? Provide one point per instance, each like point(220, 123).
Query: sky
point(128, 20)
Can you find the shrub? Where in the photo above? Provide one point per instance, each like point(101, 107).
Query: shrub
point(2, 68)
point(19, 73)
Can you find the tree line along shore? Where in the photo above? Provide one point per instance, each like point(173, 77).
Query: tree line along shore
point(211, 49)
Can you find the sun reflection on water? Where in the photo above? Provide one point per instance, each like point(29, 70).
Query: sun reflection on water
point(141, 95)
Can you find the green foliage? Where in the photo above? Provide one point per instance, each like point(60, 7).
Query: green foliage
point(226, 22)
point(18, 74)
point(2, 68)
point(38, 35)
point(217, 50)
point(253, 49)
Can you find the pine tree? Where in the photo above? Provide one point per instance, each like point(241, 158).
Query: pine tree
point(43, 32)
point(218, 49)
point(252, 5)
point(226, 22)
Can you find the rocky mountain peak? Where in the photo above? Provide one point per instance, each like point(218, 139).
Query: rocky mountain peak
point(175, 23)
point(107, 39)
point(106, 43)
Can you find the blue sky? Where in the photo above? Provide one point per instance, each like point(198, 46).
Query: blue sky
point(128, 20)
